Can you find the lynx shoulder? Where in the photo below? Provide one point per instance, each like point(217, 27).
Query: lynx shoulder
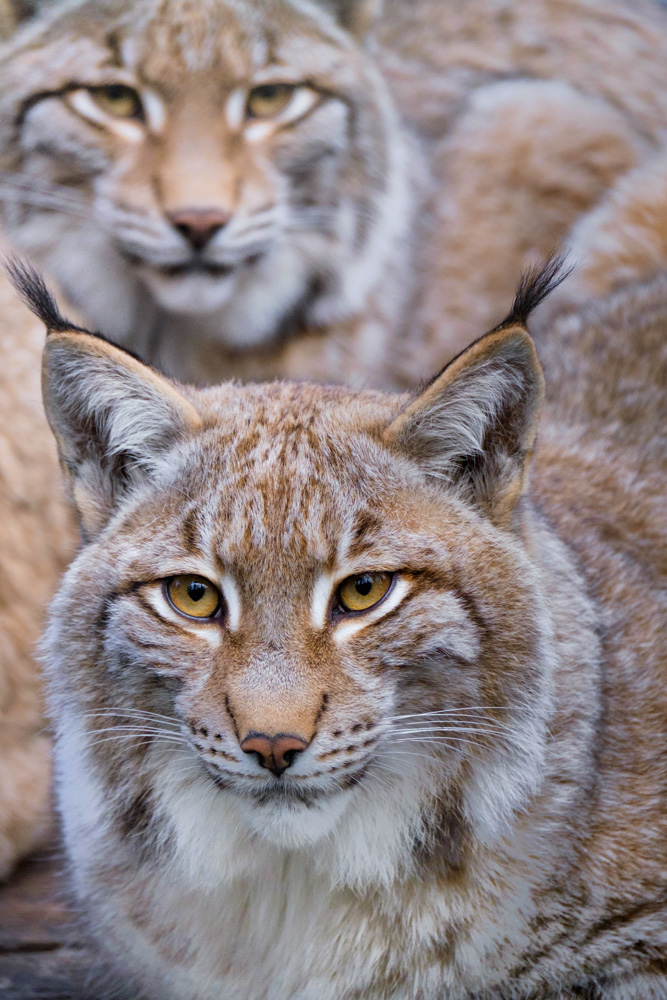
point(349, 700)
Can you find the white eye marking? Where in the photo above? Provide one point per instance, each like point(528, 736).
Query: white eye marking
point(156, 113)
point(127, 130)
point(350, 626)
point(236, 109)
point(259, 130)
point(302, 101)
point(83, 103)
point(232, 598)
point(321, 598)
point(128, 52)
point(260, 53)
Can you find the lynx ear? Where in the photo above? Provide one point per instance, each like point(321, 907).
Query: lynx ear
point(113, 417)
point(356, 16)
point(474, 425)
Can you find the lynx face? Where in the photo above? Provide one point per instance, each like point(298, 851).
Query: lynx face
point(303, 606)
point(236, 159)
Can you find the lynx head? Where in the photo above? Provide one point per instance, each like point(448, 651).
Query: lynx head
point(298, 611)
point(238, 160)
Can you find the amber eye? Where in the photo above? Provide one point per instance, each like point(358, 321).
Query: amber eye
point(118, 100)
point(269, 99)
point(193, 596)
point(359, 593)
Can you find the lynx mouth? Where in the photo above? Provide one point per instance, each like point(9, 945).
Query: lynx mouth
point(194, 266)
point(282, 792)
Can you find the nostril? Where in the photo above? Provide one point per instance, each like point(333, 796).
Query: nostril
point(276, 753)
point(286, 749)
point(258, 744)
point(199, 225)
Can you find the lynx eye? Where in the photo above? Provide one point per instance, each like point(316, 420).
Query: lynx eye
point(359, 593)
point(193, 596)
point(269, 99)
point(118, 100)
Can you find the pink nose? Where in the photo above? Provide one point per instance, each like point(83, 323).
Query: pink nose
point(276, 753)
point(199, 225)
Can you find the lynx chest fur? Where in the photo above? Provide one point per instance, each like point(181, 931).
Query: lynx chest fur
point(346, 708)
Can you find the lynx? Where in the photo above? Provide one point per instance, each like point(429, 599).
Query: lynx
point(308, 188)
point(360, 694)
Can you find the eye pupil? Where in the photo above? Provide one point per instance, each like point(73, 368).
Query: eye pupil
point(196, 591)
point(116, 91)
point(364, 585)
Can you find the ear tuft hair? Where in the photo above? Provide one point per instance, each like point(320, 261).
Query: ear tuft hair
point(32, 288)
point(534, 286)
point(35, 293)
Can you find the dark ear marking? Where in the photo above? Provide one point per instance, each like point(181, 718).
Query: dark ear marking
point(534, 286)
point(32, 288)
point(36, 295)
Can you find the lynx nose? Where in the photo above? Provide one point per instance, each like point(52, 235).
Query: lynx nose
point(199, 225)
point(276, 753)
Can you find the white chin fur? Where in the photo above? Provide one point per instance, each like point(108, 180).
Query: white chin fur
point(240, 310)
point(293, 825)
point(190, 294)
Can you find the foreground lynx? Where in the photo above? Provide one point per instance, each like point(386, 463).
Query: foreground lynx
point(352, 704)
point(256, 188)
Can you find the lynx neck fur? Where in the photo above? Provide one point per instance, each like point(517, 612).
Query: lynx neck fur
point(350, 703)
point(301, 188)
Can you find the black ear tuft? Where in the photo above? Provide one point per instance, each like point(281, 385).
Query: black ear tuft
point(534, 286)
point(32, 288)
point(30, 285)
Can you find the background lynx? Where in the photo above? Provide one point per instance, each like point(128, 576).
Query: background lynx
point(347, 707)
point(262, 189)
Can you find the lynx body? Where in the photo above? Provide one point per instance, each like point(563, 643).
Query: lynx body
point(411, 741)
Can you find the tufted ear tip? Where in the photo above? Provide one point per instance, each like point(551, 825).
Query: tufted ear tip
point(32, 289)
point(534, 286)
